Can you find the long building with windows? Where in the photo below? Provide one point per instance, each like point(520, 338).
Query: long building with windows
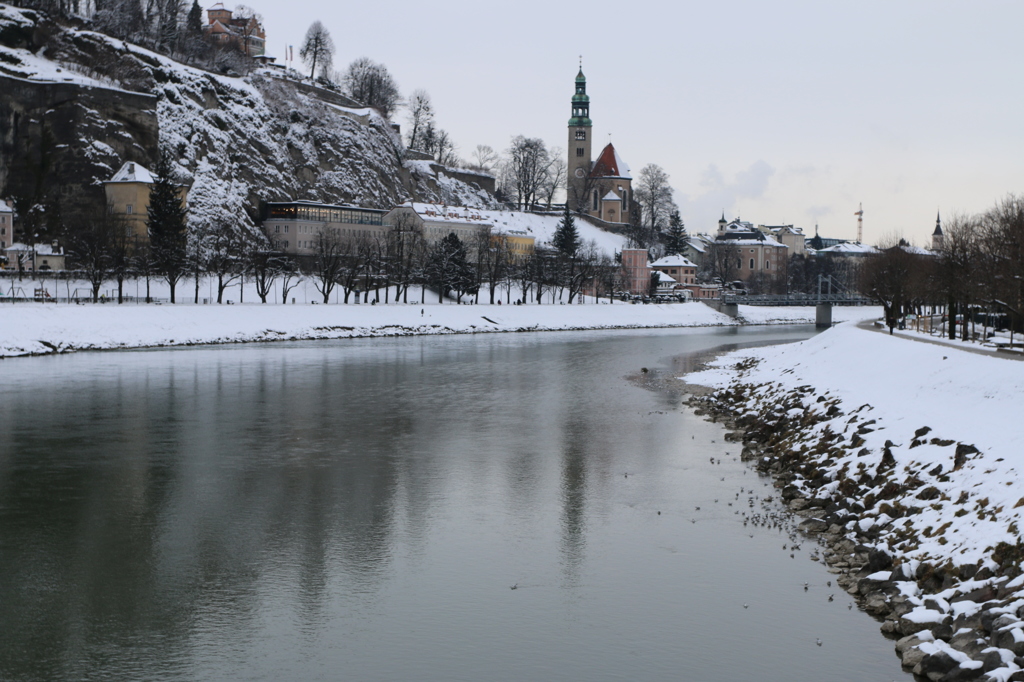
point(293, 226)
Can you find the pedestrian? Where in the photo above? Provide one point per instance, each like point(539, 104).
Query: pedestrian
point(421, 312)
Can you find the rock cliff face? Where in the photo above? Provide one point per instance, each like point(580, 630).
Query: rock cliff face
point(77, 104)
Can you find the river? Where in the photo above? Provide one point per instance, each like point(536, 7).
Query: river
point(362, 509)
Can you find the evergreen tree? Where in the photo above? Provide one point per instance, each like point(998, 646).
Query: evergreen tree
point(676, 240)
point(194, 22)
point(166, 223)
point(448, 267)
point(567, 238)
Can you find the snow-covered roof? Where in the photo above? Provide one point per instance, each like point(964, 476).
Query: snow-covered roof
point(540, 227)
point(849, 249)
point(4, 208)
point(673, 261)
point(132, 172)
point(610, 165)
point(917, 250)
point(40, 249)
point(665, 279)
point(696, 246)
point(611, 196)
point(436, 213)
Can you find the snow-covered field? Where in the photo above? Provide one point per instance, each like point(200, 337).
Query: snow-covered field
point(919, 450)
point(29, 328)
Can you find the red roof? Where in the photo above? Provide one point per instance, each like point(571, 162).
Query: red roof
point(609, 164)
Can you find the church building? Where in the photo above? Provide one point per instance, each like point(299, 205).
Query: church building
point(600, 188)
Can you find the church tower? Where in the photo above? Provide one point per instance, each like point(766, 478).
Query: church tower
point(937, 234)
point(580, 155)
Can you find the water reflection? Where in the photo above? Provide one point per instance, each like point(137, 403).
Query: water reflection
point(315, 510)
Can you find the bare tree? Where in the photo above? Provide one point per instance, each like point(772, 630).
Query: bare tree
point(554, 179)
point(317, 49)
point(485, 159)
point(421, 114)
point(958, 268)
point(327, 262)
point(886, 278)
point(372, 84)
point(527, 166)
point(654, 193)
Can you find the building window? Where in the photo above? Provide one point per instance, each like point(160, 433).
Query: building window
point(128, 209)
point(595, 200)
point(751, 263)
point(286, 229)
point(625, 199)
point(581, 134)
point(579, 151)
point(277, 229)
point(767, 265)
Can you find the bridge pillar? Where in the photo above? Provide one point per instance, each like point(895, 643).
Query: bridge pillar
point(730, 309)
point(823, 315)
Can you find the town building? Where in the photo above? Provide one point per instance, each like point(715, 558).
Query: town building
point(681, 269)
point(755, 253)
point(128, 197)
point(601, 188)
point(35, 258)
point(294, 226)
point(792, 237)
point(6, 224)
point(438, 221)
point(519, 243)
point(636, 271)
point(244, 32)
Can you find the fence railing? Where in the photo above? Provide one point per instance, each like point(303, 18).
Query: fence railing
point(795, 299)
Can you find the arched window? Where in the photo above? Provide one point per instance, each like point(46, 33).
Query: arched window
point(595, 199)
point(751, 263)
point(767, 265)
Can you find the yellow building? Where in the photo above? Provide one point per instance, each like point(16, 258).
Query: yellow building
point(128, 197)
point(519, 244)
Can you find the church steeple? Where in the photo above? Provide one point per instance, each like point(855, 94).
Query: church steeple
point(579, 147)
point(937, 234)
point(580, 103)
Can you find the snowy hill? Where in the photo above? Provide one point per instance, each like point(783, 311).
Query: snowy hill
point(80, 103)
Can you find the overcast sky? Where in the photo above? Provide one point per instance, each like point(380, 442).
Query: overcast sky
point(778, 112)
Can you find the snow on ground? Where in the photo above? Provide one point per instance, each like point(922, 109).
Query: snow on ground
point(30, 328)
point(963, 397)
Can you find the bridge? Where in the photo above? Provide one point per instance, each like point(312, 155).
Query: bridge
point(796, 299)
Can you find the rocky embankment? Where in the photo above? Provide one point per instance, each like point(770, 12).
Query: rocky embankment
point(907, 534)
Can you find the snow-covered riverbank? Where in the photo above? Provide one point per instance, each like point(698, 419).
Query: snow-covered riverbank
point(907, 460)
point(27, 328)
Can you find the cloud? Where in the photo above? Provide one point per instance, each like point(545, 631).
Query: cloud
point(718, 194)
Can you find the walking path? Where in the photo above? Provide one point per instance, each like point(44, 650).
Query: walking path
point(940, 341)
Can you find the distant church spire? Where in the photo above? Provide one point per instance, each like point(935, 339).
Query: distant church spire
point(937, 234)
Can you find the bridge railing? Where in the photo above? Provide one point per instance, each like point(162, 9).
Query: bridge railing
point(796, 299)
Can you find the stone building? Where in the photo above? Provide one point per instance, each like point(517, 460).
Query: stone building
point(35, 258)
point(601, 188)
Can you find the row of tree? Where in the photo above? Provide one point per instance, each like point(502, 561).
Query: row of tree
point(978, 273)
point(391, 261)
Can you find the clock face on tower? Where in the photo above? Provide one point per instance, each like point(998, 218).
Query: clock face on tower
point(579, 173)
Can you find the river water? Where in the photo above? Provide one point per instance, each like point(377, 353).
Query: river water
point(360, 510)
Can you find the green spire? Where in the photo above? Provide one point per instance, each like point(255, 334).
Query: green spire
point(580, 103)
